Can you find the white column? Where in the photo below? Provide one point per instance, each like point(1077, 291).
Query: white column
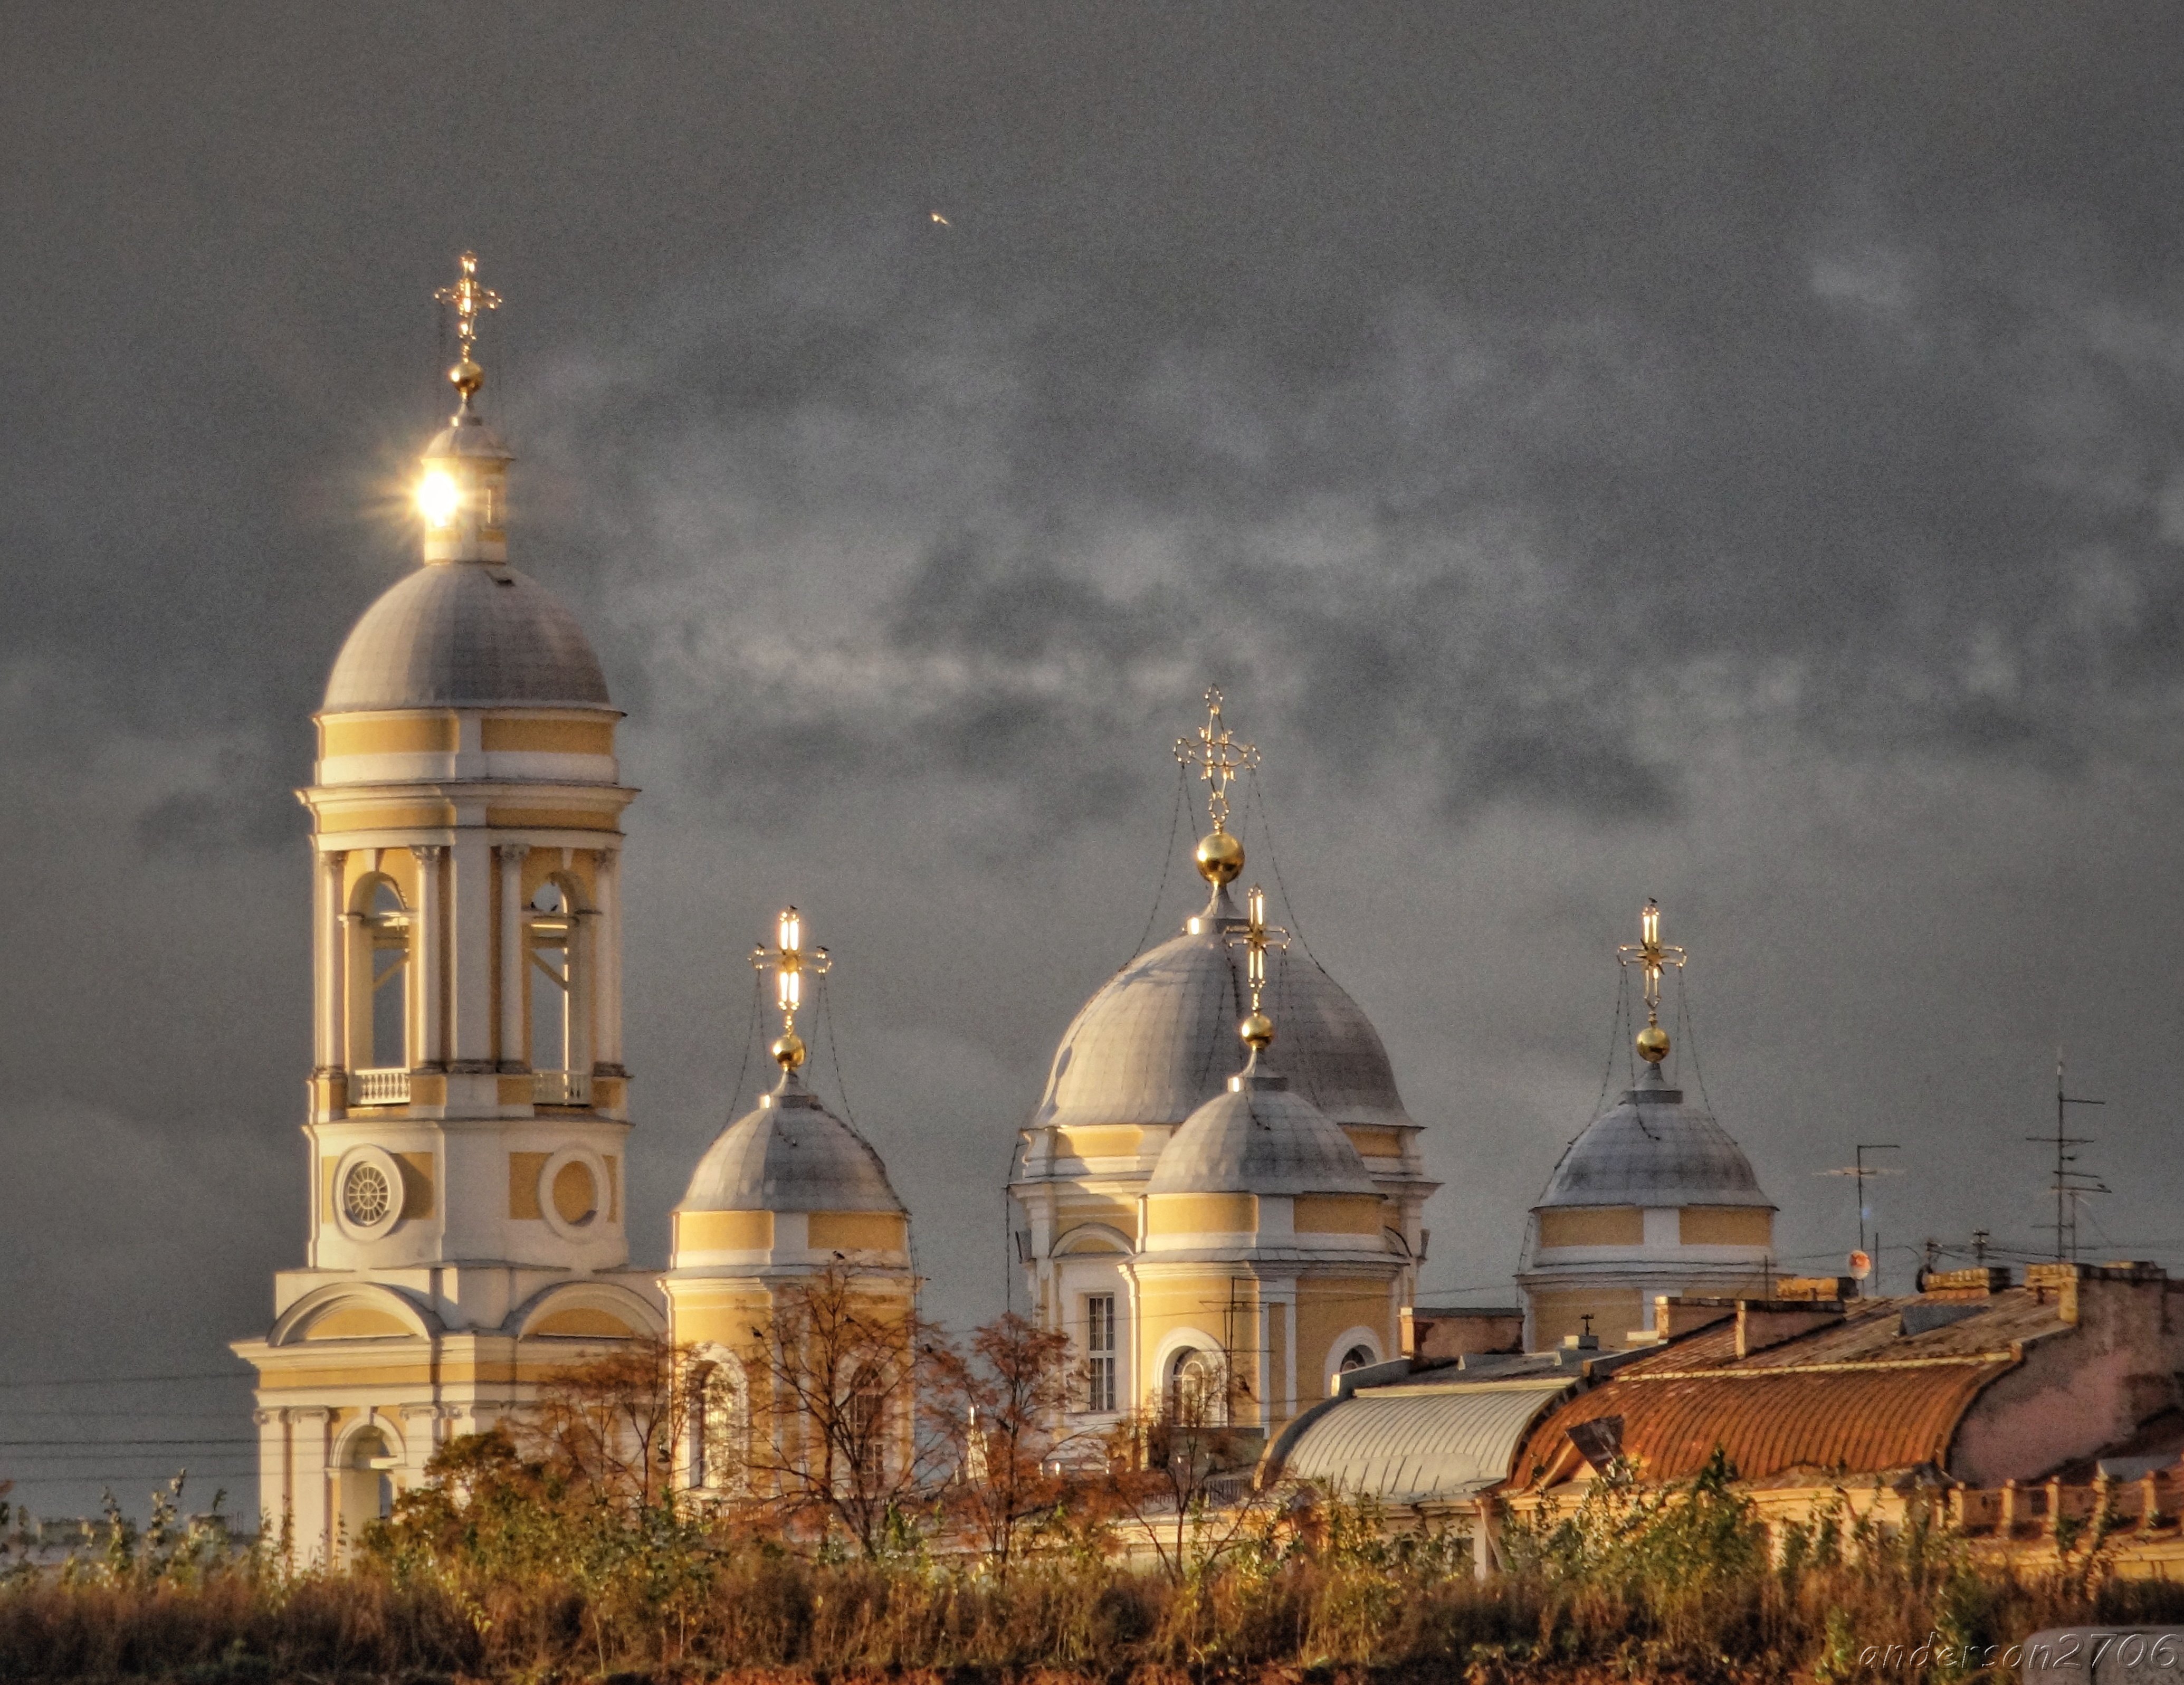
point(327, 930)
point(470, 951)
point(606, 945)
point(513, 958)
point(425, 945)
point(312, 1430)
point(1263, 1379)
point(1289, 1354)
point(583, 944)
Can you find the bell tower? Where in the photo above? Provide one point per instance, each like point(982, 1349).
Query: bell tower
point(467, 1111)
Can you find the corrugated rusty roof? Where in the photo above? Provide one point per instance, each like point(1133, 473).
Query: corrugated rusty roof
point(1860, 1395)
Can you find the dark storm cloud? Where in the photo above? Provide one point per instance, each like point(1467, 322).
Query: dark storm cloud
point(1734, 445)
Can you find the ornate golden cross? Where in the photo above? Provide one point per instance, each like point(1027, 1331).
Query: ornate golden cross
point(1218, 757)
point(468, 298)
point(791, 962)
point(1256, 937)
point(1651, 955)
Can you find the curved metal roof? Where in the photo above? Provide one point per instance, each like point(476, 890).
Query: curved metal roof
point(1859, 1420)
point(1260, 1137)
point(1653, 1149)
point(1157, 1041)
point(790, 1154)
point(1404, 1444)
point(466, 634)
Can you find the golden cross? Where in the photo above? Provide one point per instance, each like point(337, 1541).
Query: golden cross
point(468, 298)
point(790, 962)
point(1218, 757)
point(1257, 936)
point(1651, 955)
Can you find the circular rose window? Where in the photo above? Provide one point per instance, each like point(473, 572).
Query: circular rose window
point(365, 1195)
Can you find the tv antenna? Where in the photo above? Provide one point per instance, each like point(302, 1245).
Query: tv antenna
point(2069, 1184)
point(1860, 1169)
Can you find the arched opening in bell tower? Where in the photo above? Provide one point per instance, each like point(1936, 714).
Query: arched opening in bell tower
point(559, 1063)
point(380, 1036)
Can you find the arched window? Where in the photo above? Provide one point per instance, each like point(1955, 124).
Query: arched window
point(721, 1443)
point(864, 1420)
point(1357, 1357)
point(367, 1483)
point(385, 930)
point(1195, 1397)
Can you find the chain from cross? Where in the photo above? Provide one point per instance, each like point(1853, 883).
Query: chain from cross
point(468, 299)
point(1255, 939)
point(1218, 757)
point(1651, 955)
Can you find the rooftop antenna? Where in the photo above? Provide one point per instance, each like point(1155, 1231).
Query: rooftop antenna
point(1860, 1169)
point(2069, 1184)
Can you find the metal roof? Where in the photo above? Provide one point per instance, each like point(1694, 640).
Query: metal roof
point(791, 1154)
point(1407, 1444)
point(466, 634)
point(1159, 1038)
point(1654, 1148)
point(1260, 1136)
point(1860, 1395)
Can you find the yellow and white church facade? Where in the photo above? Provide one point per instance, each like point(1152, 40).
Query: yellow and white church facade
point(1203, 1233)
point(1219, 1198)
point(468, 1113)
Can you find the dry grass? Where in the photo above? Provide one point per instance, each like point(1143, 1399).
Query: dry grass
point(518, 1577)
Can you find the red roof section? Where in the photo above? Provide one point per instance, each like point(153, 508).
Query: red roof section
point(1858, 1395)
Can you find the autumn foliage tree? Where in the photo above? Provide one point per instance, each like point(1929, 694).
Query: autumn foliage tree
point(836, 1438)
point(1005, 1402)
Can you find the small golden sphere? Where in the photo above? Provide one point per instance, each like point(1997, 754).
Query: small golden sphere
point(1220, 858)
point(1257, 1031)
point(467, 377)
point(1652, 1044)
point(788, 1050)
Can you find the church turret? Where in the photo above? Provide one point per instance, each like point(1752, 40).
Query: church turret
point(1653, 1197)
point(786, 1193)
point(1145, 1055)
point(467, 1106)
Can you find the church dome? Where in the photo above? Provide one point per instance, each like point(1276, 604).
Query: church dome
point(790, 1154)
point(1260, 1136)
point(1654, 1148)
point(1155, 1043)
point(466, 634)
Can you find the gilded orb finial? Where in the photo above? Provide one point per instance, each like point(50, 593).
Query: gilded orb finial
point(467, 298)
point(791, 962)
point(1214, 750)
point(1257, 1030)
point(1652, 955)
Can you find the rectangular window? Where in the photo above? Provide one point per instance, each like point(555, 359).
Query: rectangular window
point(1099, 1349)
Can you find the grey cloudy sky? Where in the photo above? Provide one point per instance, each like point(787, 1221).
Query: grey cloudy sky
point(1735, 453)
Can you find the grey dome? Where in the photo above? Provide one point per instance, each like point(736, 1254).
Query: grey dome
point(791, 1154)
point(1159, 1038)
point(1653, 1149)
point(1260, 1136)
point(466, 634)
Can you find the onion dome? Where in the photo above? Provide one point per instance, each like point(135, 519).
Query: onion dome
point(790, 1154)
point(1260, 1136)
point(467, 630)
point(1153, 1044)
point(1654, 1148)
